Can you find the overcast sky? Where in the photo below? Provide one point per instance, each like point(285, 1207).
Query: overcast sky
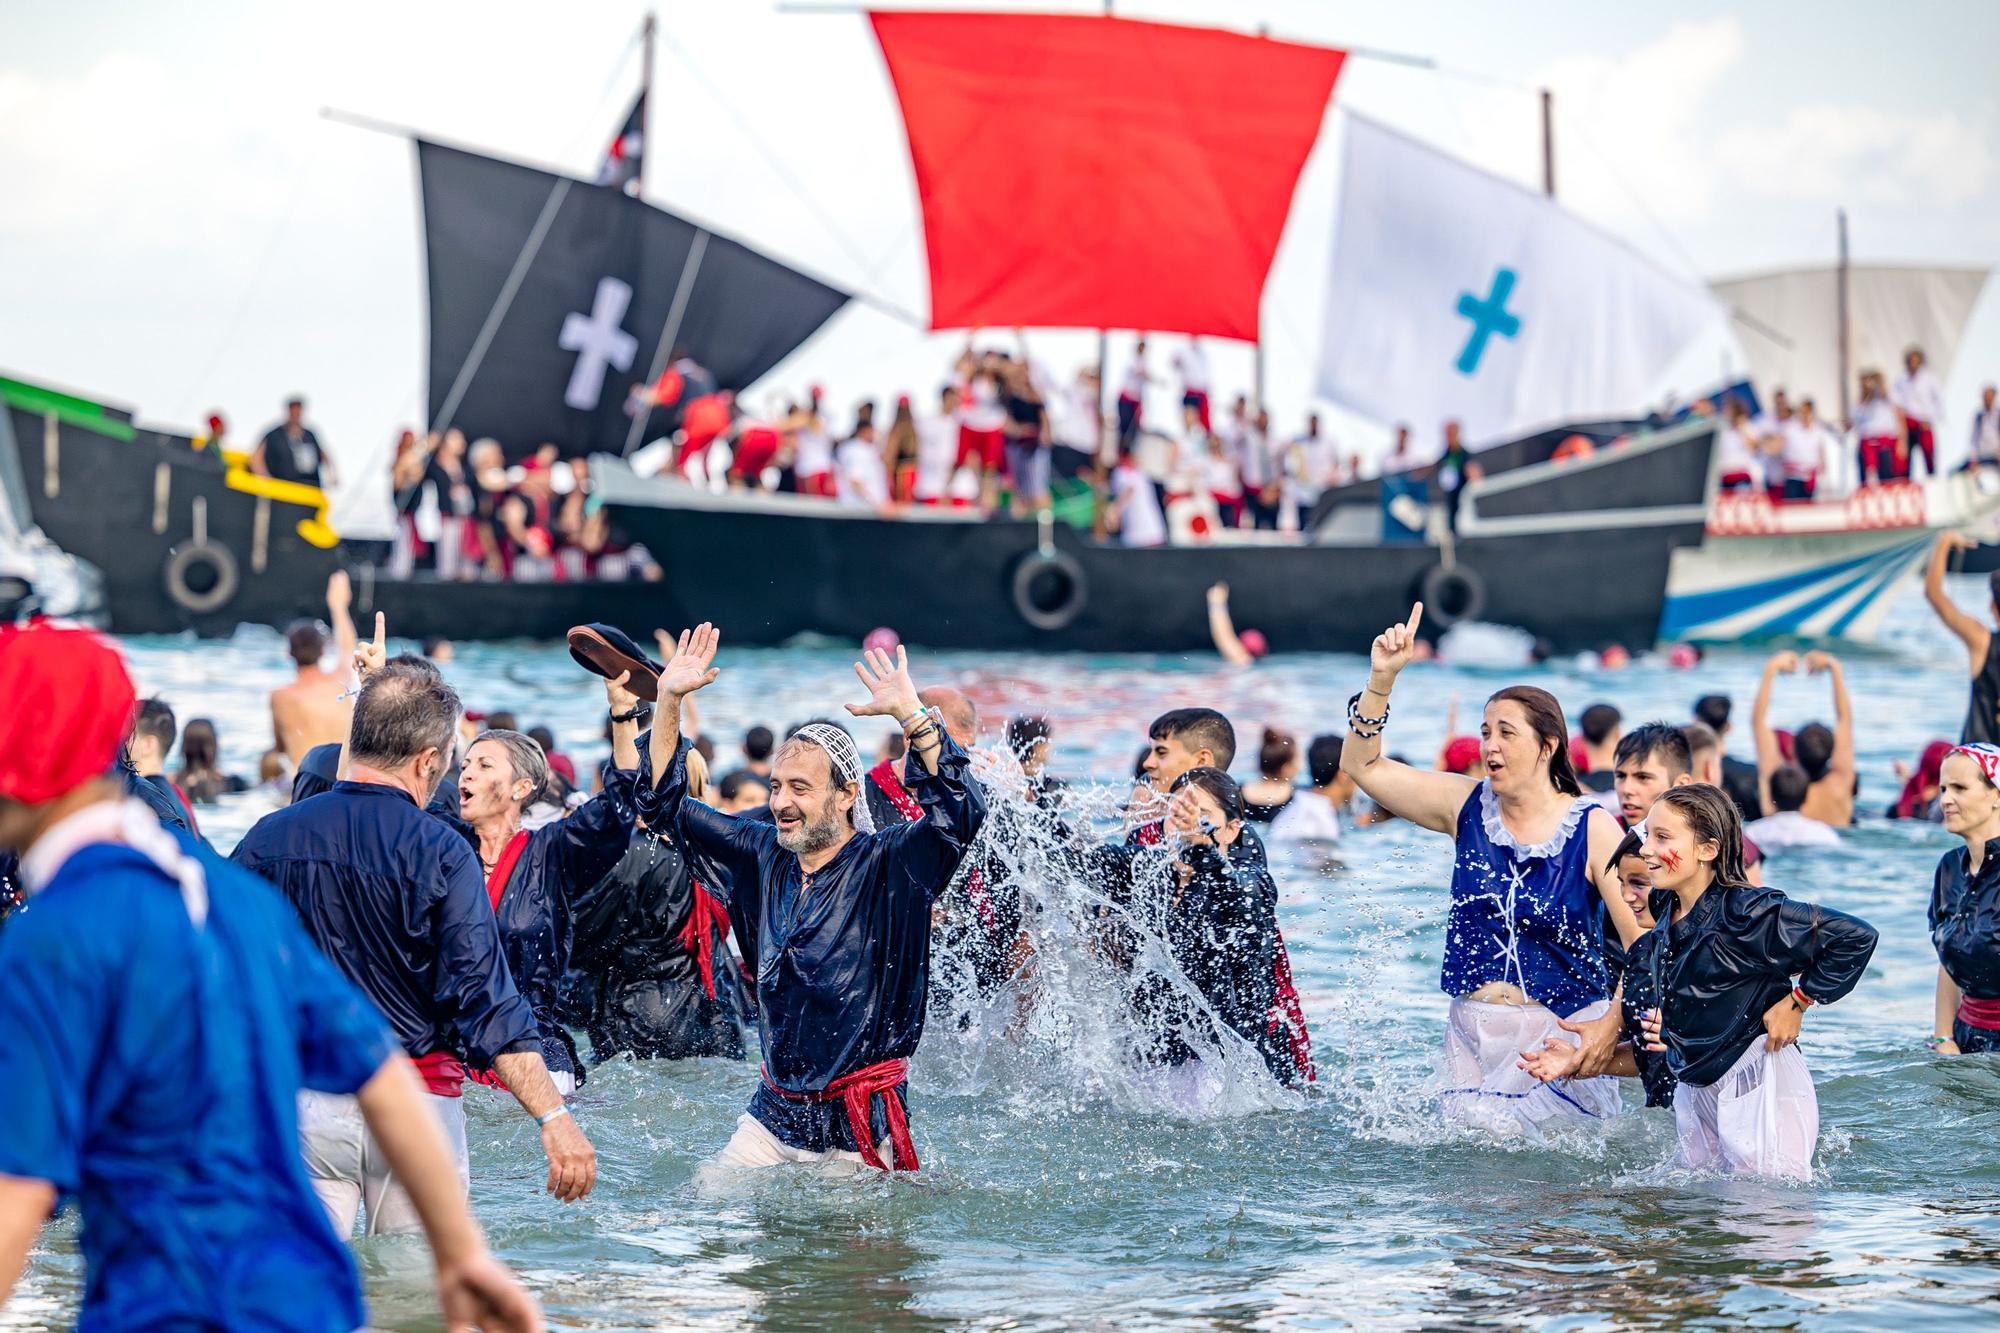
point(181, 230)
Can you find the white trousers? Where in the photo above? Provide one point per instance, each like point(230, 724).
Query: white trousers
point(1483, 1087)
point(1759, 1119)
point(349, 1172)
point(754, 1147)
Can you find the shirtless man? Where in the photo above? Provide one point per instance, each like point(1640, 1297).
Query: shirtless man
point(310, 711)
point(1825, 753)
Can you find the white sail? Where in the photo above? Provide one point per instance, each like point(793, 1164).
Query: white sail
point(1457, 293)
point(1788, 323)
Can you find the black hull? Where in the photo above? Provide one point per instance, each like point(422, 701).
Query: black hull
point(763, 578)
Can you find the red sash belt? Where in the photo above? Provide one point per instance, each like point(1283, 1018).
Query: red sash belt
point(858, 1091)
point(442, 1073)
point(1979, 1013)
point(698, 935)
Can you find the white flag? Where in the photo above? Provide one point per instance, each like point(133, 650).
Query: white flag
point(1457, 294)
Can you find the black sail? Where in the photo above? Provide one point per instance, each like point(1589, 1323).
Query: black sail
point(595, 276)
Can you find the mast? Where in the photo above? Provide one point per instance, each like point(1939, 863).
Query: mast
point(646, 33)
point(1840, 301)
point(1548, 143)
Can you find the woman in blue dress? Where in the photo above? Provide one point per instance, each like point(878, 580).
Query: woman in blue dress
point(1532, 890)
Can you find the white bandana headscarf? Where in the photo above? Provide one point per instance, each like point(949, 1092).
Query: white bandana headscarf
point(846, 761)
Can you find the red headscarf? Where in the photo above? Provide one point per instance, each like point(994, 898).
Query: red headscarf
point(69, 705)
point(1916, 797)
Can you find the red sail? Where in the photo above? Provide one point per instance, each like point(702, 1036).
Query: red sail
point(1087, 172)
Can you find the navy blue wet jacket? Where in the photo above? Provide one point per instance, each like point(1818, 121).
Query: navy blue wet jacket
point(562, 859)
point(1965, 920)
point(394, 897)
point(842, 959)
point(1713, 973)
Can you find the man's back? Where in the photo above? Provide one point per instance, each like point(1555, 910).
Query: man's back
point(393, 896)
point(309, 712)
point(153, 1070)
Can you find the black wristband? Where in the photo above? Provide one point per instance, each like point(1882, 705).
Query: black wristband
point(640, 712)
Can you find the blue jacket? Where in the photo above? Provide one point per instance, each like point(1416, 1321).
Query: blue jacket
point(563, 860)
point(843, 962)
point(152, 1072)
point(394, 897)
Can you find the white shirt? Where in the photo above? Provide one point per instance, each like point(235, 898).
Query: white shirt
point(1789, 828)
point(1134, 384)
point(1732, 449)
point(1192, 366)
point(861, 478)
point(1805, 447)
point(1253, 451)
point(1221, 477)
point(982, 410)
point(815, 453)
point(1307, 816)
point(1875, 419)
point(1080, 423)
point(1140, 520)
point(1919, 395)
point(937, 453)
point(1309, 464)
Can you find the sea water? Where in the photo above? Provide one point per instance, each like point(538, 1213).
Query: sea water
point(1067, 1186)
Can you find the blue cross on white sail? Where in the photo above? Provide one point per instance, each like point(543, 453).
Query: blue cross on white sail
point(1456, 293)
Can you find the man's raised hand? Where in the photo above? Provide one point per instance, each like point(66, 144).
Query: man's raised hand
point(887, 680)
point(369, 657)
point(692, 664)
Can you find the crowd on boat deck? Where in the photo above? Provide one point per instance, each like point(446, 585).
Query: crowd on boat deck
point(443, 906)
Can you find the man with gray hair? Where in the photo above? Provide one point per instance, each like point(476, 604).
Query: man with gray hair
point(837, 918)
point(394, 897)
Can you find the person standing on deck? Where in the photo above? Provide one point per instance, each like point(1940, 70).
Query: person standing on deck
point(1921, 398)
point(290, 451)
point(836, 917)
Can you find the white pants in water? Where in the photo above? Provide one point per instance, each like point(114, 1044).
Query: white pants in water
point(1484, 1087)
point(753, 1146)
point(349, 1172)
point(1759, 1119)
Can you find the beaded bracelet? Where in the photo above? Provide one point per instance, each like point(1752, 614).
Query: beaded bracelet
point(1368, 728)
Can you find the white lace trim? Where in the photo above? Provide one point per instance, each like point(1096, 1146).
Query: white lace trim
point(1499, 835)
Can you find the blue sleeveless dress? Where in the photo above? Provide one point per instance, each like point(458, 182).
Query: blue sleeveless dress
point(1525, 914)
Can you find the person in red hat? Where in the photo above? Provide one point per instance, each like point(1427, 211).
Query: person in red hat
point(164, 1010)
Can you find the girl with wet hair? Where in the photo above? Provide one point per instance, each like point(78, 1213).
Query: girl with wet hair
point(1728, 974)
point(201, 775)
point(1531, 890)
point(1965, 905)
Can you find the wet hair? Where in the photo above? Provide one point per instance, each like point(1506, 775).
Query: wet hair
point(1139, 765)
point(1545, 717)
point(500, 721)
point(306, 643)
point(1219, 786)
point(155, 721)
point(1664, 739)
point(733, 783)
point(1789, 785)
point(200, 748)
point(1323, 759)
point(526, 757)
point(1276, 751)
point(1713, 709)
point(1198, 729)
point(1598, 722)
point(1712, 817)
point(758, 742)
point(403, 710)
point(1812, 747)
point(1024, 733)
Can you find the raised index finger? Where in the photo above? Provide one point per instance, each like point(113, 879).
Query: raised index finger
point(381, 631)
point(1416, 618)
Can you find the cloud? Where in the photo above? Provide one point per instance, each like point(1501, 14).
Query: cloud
point(1828, 153)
